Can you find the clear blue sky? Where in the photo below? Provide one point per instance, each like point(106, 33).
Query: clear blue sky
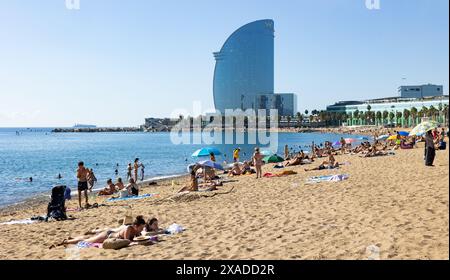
point(115, 62)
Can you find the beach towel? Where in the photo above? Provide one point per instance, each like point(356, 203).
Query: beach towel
point(130, 197)
point(84, 245)
point(19, 222)
point(174, 229)
point(328, 178)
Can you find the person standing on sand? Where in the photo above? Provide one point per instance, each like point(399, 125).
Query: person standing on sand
point(82, 177)
point(430, 149)
point(91, 179)
point(257, 162)
point(286, 152)
point(142, 172)
point(343, 143)
point(236, 154)
point(129, 169)
point(136, 168)
point(212, 157)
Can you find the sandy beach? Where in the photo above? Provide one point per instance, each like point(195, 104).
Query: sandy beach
point(392, 202)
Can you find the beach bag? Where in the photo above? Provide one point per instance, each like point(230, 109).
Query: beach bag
point(443, 146)
point(115, 243)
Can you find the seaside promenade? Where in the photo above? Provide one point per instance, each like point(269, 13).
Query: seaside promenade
point(394, 203)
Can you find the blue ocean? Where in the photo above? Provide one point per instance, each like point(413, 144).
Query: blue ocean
point(42, 155)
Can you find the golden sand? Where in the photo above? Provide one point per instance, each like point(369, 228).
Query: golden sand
point(392, 202)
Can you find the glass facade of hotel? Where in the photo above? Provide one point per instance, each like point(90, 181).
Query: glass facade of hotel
point(245, 67)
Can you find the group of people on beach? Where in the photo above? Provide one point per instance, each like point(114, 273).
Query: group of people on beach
point(87, 179)
point(125, 191)
point(133, 170)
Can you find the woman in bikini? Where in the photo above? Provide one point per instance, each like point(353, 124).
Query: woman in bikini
point(126, 232)
point(152, 228)
point(258, 162)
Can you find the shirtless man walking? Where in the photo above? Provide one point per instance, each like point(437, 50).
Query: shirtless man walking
point(82, 176)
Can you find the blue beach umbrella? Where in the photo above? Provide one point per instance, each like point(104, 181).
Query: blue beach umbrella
point(403, 133)
point(205, 152)
point(209, 163)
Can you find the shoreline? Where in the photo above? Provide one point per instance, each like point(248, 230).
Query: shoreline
point(38, 200)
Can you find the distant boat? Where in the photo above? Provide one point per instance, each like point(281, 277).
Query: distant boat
point(84, 126)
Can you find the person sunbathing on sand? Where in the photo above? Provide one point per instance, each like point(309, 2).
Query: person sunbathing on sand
point(127, 232)
point(109, 190)
point(295, 161)
point(193, 183)
point(235, 171)
point(324, 166)
point(331, 160)
point(119, 185)
point(152, 228)
point(246, 168)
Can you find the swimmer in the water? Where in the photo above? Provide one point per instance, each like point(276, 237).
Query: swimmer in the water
point(59, 176)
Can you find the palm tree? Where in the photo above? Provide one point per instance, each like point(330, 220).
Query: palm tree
point(445, 111)
point(432, 112)
point(385, 115)
point(398, 116)
point(378, 116)
point(391, 116)
point(322, 117)
point(289, 118)
point(414, 114)
point(423, 112)
point(345, 116)
point(440, 109)
point(406, 115)
point(369, 114)
point(299, 119)
point(356, 115)
point(306, 112)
